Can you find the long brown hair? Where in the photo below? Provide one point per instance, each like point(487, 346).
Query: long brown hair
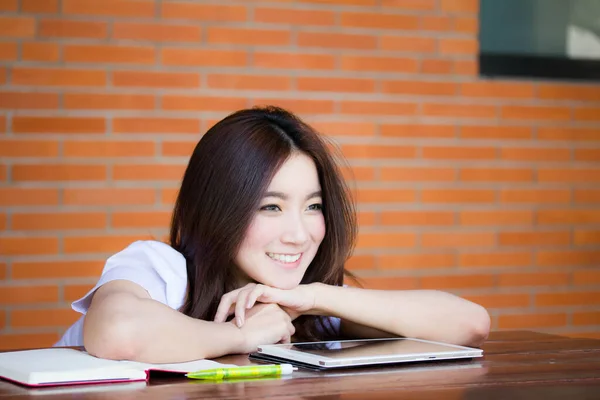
point(226, 177)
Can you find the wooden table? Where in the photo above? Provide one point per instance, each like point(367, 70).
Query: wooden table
point(516, 365)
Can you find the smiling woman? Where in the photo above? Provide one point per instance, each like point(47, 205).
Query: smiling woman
point(261, 229)
point(254, 185)
point(284, 236)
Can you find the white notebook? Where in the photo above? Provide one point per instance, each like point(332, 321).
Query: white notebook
point(64, 366)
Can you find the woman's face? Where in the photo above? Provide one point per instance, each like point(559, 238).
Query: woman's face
point(287, 229)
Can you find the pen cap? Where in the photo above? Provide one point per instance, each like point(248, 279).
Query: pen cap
point(286, 369)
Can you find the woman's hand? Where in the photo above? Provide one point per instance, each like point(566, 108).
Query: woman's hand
point(265, 324)
point(294, 301)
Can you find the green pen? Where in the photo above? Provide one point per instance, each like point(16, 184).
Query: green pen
point(251, 371)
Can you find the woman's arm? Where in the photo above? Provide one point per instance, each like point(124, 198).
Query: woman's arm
point(123, 322)
point(424, 314)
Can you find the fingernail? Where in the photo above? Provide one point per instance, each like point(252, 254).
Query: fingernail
point(239, 321)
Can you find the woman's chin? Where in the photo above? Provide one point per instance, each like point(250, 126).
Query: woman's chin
point(284, 284)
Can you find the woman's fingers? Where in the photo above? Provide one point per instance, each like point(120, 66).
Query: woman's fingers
point(240, 306)
point(223, 310)
point(267, 294)
point(242, 299)
point(225, 306)
point(257, 292)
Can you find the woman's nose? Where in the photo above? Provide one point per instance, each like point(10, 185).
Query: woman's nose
point(295, 231)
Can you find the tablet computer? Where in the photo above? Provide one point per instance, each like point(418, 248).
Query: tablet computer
point(362, 352)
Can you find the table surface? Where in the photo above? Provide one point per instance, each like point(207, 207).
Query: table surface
point(516, 365)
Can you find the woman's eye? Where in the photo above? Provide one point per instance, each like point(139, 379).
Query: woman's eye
point(270, 207)
point(316, 207)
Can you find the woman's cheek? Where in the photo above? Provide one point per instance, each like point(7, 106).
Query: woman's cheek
point(319, 229)
point(262, 231)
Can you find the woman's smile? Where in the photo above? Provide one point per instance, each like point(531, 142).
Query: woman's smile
point(288, 261)
point(286, 258)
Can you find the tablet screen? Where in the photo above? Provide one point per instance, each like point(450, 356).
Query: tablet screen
point(370, 348)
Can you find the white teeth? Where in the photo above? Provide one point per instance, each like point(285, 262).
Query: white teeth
point(284, 257)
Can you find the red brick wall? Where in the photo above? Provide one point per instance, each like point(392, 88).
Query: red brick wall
point(489, 189)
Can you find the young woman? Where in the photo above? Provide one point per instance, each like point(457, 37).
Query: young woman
point(261, 229)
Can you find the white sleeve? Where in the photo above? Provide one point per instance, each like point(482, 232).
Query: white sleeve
point(155, 266)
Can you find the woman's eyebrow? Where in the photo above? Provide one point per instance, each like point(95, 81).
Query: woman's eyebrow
point(284, 196)
point(314, 194)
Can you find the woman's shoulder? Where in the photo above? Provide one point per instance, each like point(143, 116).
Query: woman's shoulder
point(155, 266)
point(154, 245)
point(153, 252)
point(152, 256)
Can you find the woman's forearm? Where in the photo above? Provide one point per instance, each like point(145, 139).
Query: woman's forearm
point(123, 326)
point(425, 314)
